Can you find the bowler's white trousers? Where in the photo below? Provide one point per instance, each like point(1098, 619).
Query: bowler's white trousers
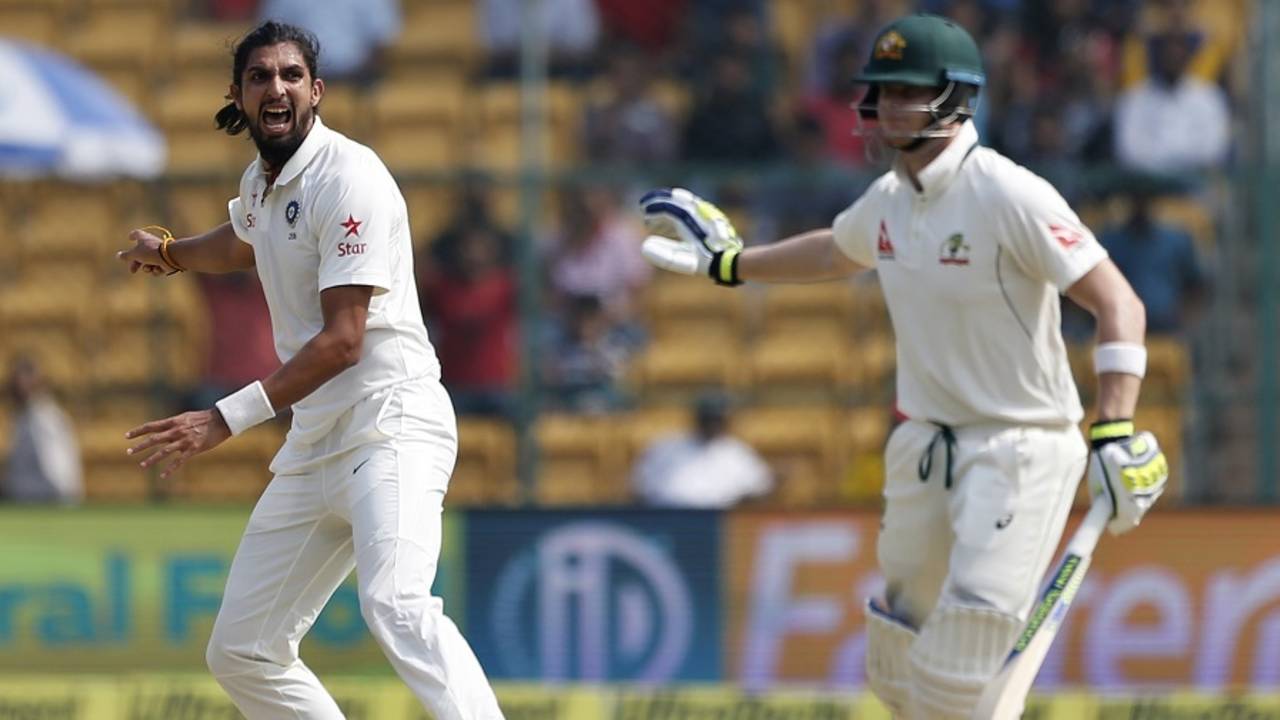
point(367, 496)
point(987, 540)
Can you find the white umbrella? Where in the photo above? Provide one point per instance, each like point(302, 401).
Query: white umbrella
point(58, 118)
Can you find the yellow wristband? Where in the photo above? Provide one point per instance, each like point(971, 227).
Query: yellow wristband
point(1110, 430)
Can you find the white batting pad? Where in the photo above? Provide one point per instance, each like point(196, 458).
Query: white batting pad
point(958, 652)
point(888, 663)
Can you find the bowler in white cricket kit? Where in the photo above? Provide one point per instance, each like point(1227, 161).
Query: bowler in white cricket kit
point(972, 253)
point(361, 479)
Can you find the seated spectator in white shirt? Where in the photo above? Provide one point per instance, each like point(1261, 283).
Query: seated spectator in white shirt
point(44, 459)
point(1173, 122)
point(355, 34)
point(707, 468)
point(571, 29)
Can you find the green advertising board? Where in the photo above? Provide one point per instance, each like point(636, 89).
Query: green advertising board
point(98, 590)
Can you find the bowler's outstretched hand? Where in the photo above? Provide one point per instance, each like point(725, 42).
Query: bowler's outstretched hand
point(179, 437)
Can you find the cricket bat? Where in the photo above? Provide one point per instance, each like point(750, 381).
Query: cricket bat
point(1005, 695)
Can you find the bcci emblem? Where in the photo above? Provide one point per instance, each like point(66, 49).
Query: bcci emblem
point(890, 46)
point(955, 251)
point(291, 212)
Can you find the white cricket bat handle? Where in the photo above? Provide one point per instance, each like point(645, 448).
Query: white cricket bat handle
point(1086, 536)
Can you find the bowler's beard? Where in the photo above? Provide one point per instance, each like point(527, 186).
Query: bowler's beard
point(276, 151)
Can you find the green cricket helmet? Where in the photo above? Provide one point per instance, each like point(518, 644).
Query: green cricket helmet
point(926, 51)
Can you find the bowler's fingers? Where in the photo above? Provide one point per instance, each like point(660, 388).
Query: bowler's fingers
point(154, 426)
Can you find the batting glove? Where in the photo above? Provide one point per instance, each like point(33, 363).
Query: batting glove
point(690, 236)
point(1130, 470)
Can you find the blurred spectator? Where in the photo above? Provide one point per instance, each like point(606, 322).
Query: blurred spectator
point(652, 25)
point(1050, 156)
point(355, 34)
point(228, 10)
point(809, 191)
point(1172, 123)
point(469, 300)
point(44, 461)
point(1160, 262)
point(627, 124)
point(571, 29)
point(587, 358)
point(471, 210)
point(730, 122)
point(597, 252)
point(835, 32)
point(1217, 27)
point(706, 468)
point(1011, 133)
point(241, 348)
point(834, 108)
point(742, 32)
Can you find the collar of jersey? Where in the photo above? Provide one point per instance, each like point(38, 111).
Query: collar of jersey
point(302, 157)
point(937, 175)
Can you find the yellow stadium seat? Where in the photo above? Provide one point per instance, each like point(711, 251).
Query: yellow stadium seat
point(413, 150)
point(233, 472)
point(190, 102)
point(793, 360)
point(431, 207)
point(436, 32)
point(870, 316)
point(344, 109)
point(52, 298)
point(695, 308)
point(867, 429)
point(1190, 214)
point(199, 46)
point(684, 365)
point(205, 151)
point(485, 473)
point(803, 445)
point(196, 207)
point(67, 222)
point(416, 101)
point(1168, 369)
point(60, 353)
point(579, 462)
point(31, 23)
point(872, 360)
point(810, 307)
point(121, 37)
point(109, 474)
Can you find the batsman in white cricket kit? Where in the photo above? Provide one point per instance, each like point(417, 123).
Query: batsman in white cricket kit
point(360, 481)
point(972, 253)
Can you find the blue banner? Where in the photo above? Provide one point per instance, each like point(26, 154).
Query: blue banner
point(628, 595)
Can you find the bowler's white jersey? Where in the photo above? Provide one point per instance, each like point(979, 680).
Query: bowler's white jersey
point(971, 268)
point(335, 217)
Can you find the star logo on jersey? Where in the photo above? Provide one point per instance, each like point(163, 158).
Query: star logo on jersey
point(1068, 237)
point(954, 251)
point(291, 212)
point(890, 46)
point(352, 226)
point(884, 245)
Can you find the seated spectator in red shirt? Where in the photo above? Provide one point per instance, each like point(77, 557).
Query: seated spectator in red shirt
point(835, 107)
point(241, 347)
point(652, 25)
point(469, 302)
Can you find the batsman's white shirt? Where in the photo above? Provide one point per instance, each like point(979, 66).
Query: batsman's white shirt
point(335, 216)
point(971, 268)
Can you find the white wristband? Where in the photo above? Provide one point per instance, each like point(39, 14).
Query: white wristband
point(1120, 357)
point(246, 407)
